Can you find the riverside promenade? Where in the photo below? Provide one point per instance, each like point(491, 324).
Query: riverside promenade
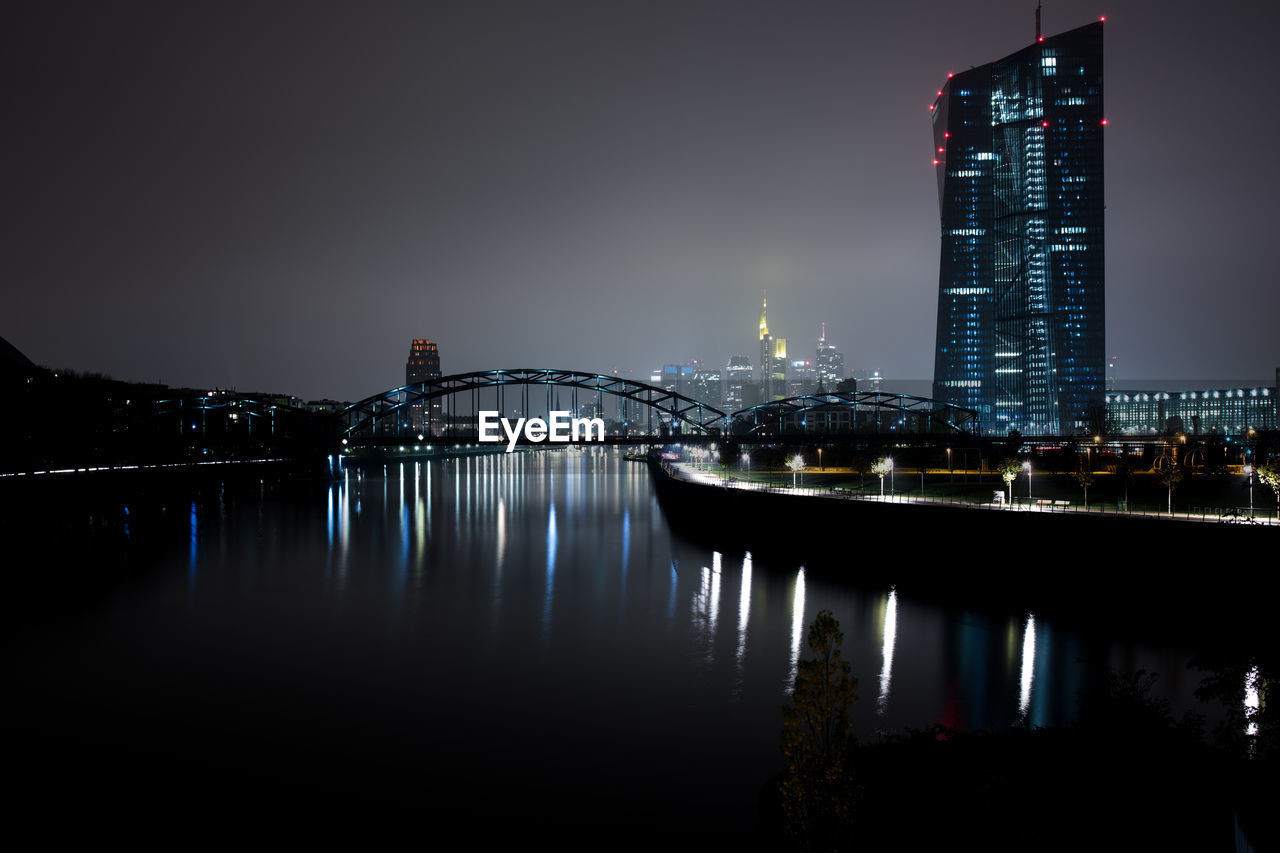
point(696, 474)
point(1181, 575)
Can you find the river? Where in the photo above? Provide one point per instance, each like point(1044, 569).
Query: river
point(518, 633)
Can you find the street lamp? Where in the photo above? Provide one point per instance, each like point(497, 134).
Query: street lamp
point(1027, 465)
point(819, 458)
point(950, 468)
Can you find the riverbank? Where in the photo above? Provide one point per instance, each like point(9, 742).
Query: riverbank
point(1178, 576)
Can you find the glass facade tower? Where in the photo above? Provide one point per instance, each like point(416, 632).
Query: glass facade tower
point(1018, 156)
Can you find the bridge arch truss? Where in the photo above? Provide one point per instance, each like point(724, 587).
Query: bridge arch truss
point(868, 411)
point(388, 412)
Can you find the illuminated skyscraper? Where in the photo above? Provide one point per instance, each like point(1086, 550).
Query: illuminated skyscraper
point(767, 347)
point(424, 365)
point(830, 363)
point(738, 387)
point(1018, 154)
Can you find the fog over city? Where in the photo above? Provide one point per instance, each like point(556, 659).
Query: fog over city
point(281, 196)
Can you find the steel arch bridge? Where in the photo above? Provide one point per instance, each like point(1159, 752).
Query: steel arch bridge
point(792, 415)
point(384, 413)
point(231, 405)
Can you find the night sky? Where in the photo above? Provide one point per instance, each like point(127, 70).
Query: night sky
point(278, 197)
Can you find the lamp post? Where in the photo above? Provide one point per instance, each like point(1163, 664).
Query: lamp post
point(819, 458)
point(950, 468)
point(1027, 465)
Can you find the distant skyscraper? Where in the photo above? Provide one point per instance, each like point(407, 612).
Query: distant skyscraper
point(422, 366)
point(804, 377)
point(766, 355)
point(778, 370)
point(737, 381)
point(677, 378)
point(830, 363)
point(708, 384)
point(1018, 154)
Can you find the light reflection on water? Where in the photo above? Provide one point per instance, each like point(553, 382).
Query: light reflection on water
point(589, 499)
point(542, 596)
point(890, 635)
point(1028, 665)
point(797, 628)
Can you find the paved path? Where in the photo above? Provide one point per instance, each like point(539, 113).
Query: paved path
point(697, 474)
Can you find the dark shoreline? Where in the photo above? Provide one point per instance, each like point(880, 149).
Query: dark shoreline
point(1143, 576)
point(1127, 772)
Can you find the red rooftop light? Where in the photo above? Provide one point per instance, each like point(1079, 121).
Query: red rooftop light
point(931, 106)
point(947, 135)
point(935, 162)
point(1104, 122)
point(1039, 38)
point(1044, 124)
point(950, 75)
point(1103, 18)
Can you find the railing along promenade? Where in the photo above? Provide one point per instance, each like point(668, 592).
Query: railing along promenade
point(1216, 515)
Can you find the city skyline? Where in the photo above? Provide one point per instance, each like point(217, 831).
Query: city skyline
point(282, 198)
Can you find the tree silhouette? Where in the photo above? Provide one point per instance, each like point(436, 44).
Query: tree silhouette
point(1270, 474)
point(795, 463)
point(1009, 470)
point(1124, 478)
point(1085, 479)
point(1170, 478)
point(817, 786)
point(862, 465)
point(881, 469)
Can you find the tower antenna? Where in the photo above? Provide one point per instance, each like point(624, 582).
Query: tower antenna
point(1037, 20)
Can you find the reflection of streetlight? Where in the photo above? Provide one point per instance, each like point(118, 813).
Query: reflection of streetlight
point(1027, 465)
point(1248, 469)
